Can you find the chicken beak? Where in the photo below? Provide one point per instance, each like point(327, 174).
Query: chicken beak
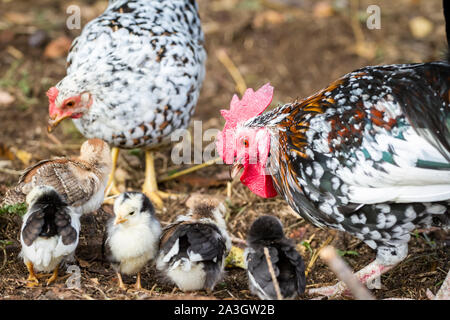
point(119, 220)
point(236, 169)
point(53, 123)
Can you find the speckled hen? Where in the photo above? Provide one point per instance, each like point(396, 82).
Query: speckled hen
point(134, 76)
point(369, 155)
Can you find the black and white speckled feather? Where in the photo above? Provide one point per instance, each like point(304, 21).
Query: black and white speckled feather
point(287, 263)
point(143, 62)
point(50, 229)
point(193, 249)
point(360, 157)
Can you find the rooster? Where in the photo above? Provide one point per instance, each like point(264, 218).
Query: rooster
point(368, 155)
point(134, 76)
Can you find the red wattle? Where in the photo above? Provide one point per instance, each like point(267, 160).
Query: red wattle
point(259, 183)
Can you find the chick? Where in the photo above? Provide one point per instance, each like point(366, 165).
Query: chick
point(80, 181)
point(49, 233)
point(193, 248)
point(132, 236)
point(287, 263)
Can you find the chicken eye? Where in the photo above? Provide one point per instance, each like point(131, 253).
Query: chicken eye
point(131, 213)
point(70, 104)
point(245, 142)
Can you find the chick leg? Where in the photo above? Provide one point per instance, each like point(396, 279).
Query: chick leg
point(32, 280)
point(121, 284)
point(111, 188)
point(150, 187)
point(53, 277)
point(138, 285)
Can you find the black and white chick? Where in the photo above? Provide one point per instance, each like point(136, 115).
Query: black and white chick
point(287, 263)
point(193, 248)
point(132, 236)
point(49, 233)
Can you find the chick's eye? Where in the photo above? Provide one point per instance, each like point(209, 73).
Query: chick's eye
point(131, 213)
point(245, 142)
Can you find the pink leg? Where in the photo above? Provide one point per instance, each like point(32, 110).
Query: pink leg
point(366, 275)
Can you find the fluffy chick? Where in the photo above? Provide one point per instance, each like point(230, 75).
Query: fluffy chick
point(49, 233)
point(267, 231)
point(80, 181)
point(193, 248)
point(132, 236)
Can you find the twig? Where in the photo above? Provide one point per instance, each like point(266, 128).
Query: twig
point(53, 138)
point(189, 170)
point(11, 171)
point(232, 69)
point(316, 255)
point(272, 273)
point(345, 274)
point(238, 240)
point(5, 258)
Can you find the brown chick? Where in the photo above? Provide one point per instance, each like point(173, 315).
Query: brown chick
point(80, 181)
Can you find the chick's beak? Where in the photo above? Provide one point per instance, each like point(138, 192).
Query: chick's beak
point(119, 220)
point(236, 169)
point(55, 120)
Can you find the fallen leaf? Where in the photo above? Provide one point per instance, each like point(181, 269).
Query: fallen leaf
point(5, 152)
point(323, 10)
point(269, 17)
point(23, 156)
point(199, 181)
point(420, 27)
point(6, 36)
point(297, 233)
point(6, 98)
point(366, 49)
point(58, 48)
point(84, 263)
point(236, 258)
point(18, 17)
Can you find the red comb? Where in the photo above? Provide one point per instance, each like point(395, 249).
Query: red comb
point(52, 93)
point(251, 105)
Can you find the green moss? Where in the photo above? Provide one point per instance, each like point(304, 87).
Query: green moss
point(20, 209)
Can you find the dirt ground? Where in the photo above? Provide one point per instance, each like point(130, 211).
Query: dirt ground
point(298, 45)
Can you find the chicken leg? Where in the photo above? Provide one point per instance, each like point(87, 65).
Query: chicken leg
point(387, 258)
point(150, 186)
point(53, 277)
point(121, 284)
point(32, 280)
point(138, 285)
point(367, 275)
point(111, 188)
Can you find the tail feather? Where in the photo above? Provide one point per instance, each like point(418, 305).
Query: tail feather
point(45, 207)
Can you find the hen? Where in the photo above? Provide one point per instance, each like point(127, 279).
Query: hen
point(80, 181)
point(369, 154)
point(134, 76)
